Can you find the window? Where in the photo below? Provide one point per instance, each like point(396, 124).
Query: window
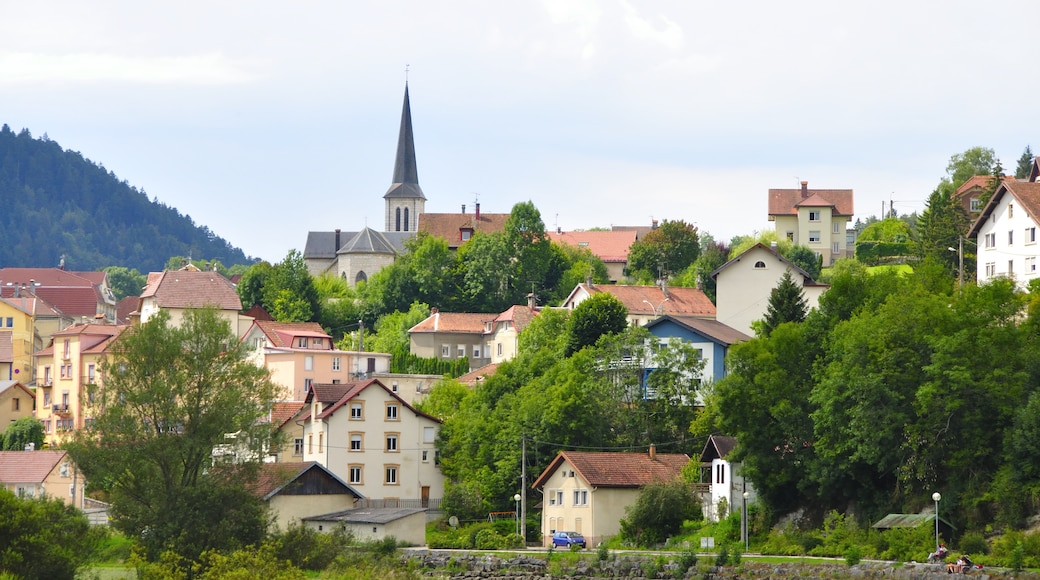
point(47, 426)
point(90, 373)
point(814, 236)
point(466, 235)
point(66, 371)
point(393, 386)
point(1011, 237)
point(1011, 210)
point(552, 497)
point(391, 443)
point(790, 236)
point(836, 226)
point(15, 404)
point(321, 442)
point(65, 352)
point(46, 375)
point(10, 322)
point(1030, 237)
point(425, 456)
point(445, 353)
point(357, 442)
point(308, 363)
point(476, 352)
point(357, 410)
point(307, 384)
point(63, 470)
point(298, 446)
point(991, 240)
point(391, 475)
point(834, 248)
point(1011, 267)
point(302, 342)
point(354, 474)
point(975, 204)
point(720, 473)
point(461, 351)
point(337, 364)
point(991, 269)
point(581, 497)
point(814, 216)
point(1031, 265)
point(46, 398)
point(559, 497)
point(760, 265)
point(429, 434)
point(500, 349)
point(391, 412)
point(310, 444)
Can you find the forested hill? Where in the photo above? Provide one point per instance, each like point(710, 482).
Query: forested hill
point(56, 202)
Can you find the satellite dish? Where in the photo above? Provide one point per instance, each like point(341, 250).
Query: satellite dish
point(453, 522)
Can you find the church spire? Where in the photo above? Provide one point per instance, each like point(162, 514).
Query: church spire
point(405, 199)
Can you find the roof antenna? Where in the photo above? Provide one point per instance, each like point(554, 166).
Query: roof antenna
point(406, 73)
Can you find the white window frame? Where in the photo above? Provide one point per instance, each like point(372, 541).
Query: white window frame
point(815, 237)
point(393, 443)
point(581, 497)
point(392, 412)
point(1029, 237)
point(357, 442)
point(814, 215)
point(356, 474)
point(390, 475)
point(308, 363)
point(357, 411)
point(337, 364)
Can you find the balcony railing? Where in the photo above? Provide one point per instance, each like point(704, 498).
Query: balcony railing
point(431, 504)
point(61, 409)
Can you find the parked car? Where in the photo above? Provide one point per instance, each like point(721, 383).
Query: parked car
point(568, 539)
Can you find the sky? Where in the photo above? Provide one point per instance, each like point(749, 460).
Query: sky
point(266, 120)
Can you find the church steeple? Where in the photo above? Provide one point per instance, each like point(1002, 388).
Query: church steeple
point(405, 199)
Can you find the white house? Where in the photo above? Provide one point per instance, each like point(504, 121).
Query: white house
point(1006, 233)
point(726, 484)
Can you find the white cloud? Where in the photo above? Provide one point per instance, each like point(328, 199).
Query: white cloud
point(207, 69)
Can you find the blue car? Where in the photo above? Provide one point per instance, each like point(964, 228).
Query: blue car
point(568, 539)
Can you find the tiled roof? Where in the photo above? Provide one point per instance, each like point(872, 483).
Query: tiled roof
point(519, 315)
point(93, 338)
point(1026, 192)
point(257, 312)
point(41, 307)
point(475, 376)
point(615, 469)
point(786, 201)
point(74, 293)
point(283, 411)
point(652, 300)
point(327, 395)
point(126, 306)
point(187, 289)
point(28, 466)
point(609, 246)
point(710, 328)
point(280, 334)
point(449, 226)
point(456, 322)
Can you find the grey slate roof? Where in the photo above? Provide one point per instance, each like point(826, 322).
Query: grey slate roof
point(368, 241)
point(406, 173)
point(367, 515)
point(322, 245)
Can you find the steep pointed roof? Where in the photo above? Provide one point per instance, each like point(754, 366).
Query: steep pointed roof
point(368, 241)
point(406, 173)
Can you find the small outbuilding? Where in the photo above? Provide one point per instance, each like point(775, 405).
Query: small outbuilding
point(946, 529)
point(406, 525)
point(294, 491)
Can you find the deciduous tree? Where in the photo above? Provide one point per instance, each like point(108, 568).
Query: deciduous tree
point(21, 433)
point(595, 316)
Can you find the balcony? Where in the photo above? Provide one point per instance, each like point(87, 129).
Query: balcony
point(62, 410)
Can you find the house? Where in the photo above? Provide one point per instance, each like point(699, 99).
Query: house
point(645, 303)
point(18, 339)
point(453, 335)
point(970, 193)
point(743, 286)
point(458, 228)
point(372, 439)
point(83, 296)
point(710, 338)
point(298, 490)
point(284, 419)
point(609, 246)
point(406, 525)
point(42, 473)
point(588, 491)
point(1006, 233)
point(727, 489)
point(410, 387)
point(177, 291)
point(299, 354)
point(46, 319)
point(816, 218)
point(68, 371)
point(502, 342)
point(16, 402)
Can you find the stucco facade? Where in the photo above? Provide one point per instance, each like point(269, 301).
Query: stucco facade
point(40, 473)
point(16, 402)
point(1006, 232)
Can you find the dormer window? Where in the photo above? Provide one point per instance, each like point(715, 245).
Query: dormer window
point(302, 342)
point(466, 234)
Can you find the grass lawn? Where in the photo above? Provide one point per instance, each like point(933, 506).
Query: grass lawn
point(108, 573)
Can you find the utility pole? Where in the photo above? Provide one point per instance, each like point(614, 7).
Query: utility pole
point(960, 264)
point(523, 488)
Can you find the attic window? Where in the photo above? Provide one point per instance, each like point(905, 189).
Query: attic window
point(466, 234)
point(760, 265)
point(583, 244)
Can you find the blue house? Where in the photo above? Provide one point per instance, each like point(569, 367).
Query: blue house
point(711, 337)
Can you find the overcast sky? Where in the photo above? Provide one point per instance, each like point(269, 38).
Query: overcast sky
point(265, 120)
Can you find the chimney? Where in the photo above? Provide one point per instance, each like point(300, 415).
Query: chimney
point(805, 189)
point(463, 208)
point(337, 239)
point(434, 310)
point(477, 210)
point(653, 452)
point(653, 224)
point(664, 287)
point(588, 280)
point(530, 301)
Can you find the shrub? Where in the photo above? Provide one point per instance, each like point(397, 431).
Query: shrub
point(659, 512)
point(687, 559)
point(853, 555)
point(974, 543)
point(722, 557)
point(602, 553)
point(309, 549)
point(43, 538)
point(488, 539)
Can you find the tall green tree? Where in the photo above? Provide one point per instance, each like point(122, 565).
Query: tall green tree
point(974, 161)
point(125, 281)
point(940, 228)
point(594, 317)
point(172, 396)
point(21, 433)
point(786, 304)
point(665, 251)
point(289, 294)
point(1025, 164)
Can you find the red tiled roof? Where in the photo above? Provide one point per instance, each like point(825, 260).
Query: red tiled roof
point(609, 246)
point(74, 293)
point(475, 376)
point(615, 469)
point(449, 226)
point(325, 392)
point(519, 315)
point(280, 334)
point(188, 289)
point(126, 306)
point(283, 411)
point(652, 300)
point(28, 466)
point(787, 201)
point(1026, 192)
point(457, 322)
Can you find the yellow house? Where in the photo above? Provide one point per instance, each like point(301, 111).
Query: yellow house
point(587, 492)
point(816, 218)
point(294, 491)
point(42, 473)
point(66, 370)
point(16, 402)
point(18, 339)
point(177, 291)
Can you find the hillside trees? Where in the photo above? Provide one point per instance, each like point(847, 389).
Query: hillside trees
point(940, 227)
point(171, 397)
point(665, 251)
point(43, 538)
point(593, 317)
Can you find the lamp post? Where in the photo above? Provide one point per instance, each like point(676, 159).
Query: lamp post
point(960, 261)
point(652, 307)
point(517, 499)
point(747, 532)
point(936, 497)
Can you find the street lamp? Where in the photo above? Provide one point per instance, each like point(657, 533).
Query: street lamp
point(936, 497)
point(747, 532)
point(960, 261)
point(517, 499)
point(659, 306)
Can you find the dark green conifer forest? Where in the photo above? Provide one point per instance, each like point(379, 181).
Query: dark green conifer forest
point(58, 203)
